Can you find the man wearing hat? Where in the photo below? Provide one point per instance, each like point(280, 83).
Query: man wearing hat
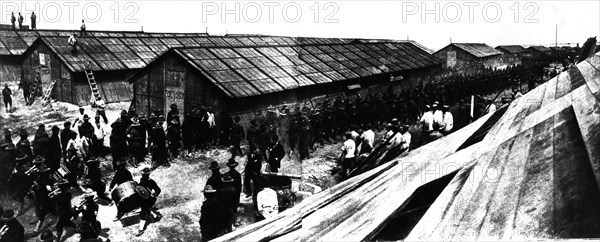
point(19, 181)
point(65, 136)
point(62, 197)
point(147, 202)
point(235, 175)
point(54, 149)
point(73, 163)
point(215, 178)
point(79, 119)
point(89, 210)
point(47, 236)
point(228, 196)
point(122, 175)
point(173, 114)
point(159, 144)
point(136, 143)
point(252, 169)
point(94, 178)
point(276, 153)
point(214, 215)
point(24, 145)
point(41, 190)
point(40, 141)
point(11, 230)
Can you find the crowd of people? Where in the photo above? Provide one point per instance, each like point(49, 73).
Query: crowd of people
point(47, 168)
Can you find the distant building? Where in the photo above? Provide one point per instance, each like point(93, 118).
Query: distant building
point(467, 55)
point(511, 54)
point(539, 52)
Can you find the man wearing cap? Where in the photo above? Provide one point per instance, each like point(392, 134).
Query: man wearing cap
point(62, 198)
point(228, 196)
point(94, 178)
point(448, 120)
point(12, 230)
point(276, 153)
point(147, 203)
point(213, 215)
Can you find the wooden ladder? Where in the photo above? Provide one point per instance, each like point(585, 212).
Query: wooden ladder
point(93, 86)
point(46, 99)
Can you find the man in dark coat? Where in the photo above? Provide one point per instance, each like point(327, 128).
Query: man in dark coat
point(147, 203)
point(187, 134)
point(174, 138)
point(213, 215)
point(54, 149)
point(228, 196)
point(122, 175)
point(7, 136)
point(6, 95)
point(24, 143)
point(173, 115)
point(11, 230)
point(159, 144)
point(41, 201)
point(118, 137)
point(41, 141)
point(237, 177)
point(89, 212)
point(136, 142)
point(94, 178)
point(73, 163)
point(252, 169)
point(276, 153)
point(65, 135)
point(237, 135)
point(215, 179)
point(63, 208)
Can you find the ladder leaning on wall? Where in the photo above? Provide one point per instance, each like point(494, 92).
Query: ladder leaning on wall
point(96, 97)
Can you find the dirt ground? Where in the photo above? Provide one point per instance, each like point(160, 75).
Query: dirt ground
point(182, 182)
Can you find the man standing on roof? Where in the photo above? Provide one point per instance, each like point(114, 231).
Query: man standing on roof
point(33, 20)
point(73, 42)
point(20, 21)
point(82, 32)
point(13, 19)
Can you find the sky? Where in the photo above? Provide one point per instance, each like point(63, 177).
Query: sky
point(432, 23)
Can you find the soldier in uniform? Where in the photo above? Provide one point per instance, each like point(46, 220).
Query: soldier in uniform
point(213, 215)
point(252, 169)
point(276, 153)
point(147, 203)
point(41, 189)
point(54, 149)
point(11, 230)
point(136, 142)
point(174, 138)
point(118, 137)
point(215, 178)
point(159, 144)
point(122, 175)
point(89, 210)
point(94, 178)
point(63, 207)
point(237, 135)
point(236, 176)
point(227, 195)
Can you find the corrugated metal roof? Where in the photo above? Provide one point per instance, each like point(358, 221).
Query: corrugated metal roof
point(250, 71)
point(513, 49)
point(477, 49)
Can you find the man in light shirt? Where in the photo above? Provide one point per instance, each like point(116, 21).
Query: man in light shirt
point(99, 133)
point(427, 120)
point(438, 117)
point(79, 119)
point(368, 140)
point(348, 151)
point(448, 120)
point(406, 137)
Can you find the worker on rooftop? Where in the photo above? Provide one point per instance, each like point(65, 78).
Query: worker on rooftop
point(20, 21)
point(82, 32)
point(33, 20)
point(13, 19)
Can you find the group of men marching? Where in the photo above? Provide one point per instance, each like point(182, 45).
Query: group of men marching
point(52, 167)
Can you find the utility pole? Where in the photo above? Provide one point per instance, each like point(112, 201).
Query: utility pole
point(556, 35)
